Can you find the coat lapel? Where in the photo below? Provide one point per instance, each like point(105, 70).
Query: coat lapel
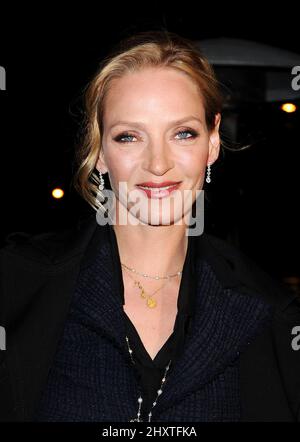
point(225, 322)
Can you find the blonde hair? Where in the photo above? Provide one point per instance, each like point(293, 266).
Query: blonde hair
point(147, 49)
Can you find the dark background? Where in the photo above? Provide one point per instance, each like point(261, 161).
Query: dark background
point(49, 56)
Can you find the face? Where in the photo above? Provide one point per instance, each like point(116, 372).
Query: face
point(154, 130)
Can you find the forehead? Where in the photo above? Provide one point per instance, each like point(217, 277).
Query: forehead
point(155, 92)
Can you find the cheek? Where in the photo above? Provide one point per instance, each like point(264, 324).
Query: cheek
point(121, 167)
point(194, 165)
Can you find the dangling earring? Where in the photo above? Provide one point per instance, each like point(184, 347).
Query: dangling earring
point(103, 213)
point(100, 196)
point(101, 185)
point(208, 180)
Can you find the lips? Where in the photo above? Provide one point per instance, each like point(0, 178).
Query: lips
point(157, 185)
point(159, 190)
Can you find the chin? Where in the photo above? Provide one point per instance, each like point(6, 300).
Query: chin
point(162, 218)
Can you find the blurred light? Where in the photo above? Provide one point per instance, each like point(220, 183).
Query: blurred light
point(57, 193)
point(289, 107)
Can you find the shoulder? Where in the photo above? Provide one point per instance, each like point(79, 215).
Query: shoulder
point(48, 247)
point(30, 262)
point(235, 269)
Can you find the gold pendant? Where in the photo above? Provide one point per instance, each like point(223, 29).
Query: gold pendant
point(151, 302)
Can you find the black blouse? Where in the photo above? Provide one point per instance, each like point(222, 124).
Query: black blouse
point(151, 371)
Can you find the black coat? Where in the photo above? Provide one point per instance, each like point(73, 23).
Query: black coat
point(38, 275)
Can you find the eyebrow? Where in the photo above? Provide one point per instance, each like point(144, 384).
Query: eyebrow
point(141, 125)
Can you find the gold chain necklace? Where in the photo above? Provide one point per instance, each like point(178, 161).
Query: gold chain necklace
point(151, 302)
point(149, 276)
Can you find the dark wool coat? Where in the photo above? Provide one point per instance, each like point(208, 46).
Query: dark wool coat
point(244, 342)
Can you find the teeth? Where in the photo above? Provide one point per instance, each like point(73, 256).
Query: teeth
point(157, 188)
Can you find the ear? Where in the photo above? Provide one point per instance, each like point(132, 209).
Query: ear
point(214, 141)
point(101, 164)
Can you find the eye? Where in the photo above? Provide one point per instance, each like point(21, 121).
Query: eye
point(193, 134)
point(127, 137)
point(124, 136)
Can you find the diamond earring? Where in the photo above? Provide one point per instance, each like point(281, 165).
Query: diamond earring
point(101, 185)
point(100, 198)
point(208, 180)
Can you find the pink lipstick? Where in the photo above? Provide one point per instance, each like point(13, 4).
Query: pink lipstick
point(159, 190)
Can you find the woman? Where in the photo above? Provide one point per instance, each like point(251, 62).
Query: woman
point(138, 320)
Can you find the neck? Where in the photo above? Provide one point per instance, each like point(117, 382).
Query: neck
point(154, 250)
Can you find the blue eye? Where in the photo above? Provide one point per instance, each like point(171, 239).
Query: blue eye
point(191, 132)
point(120, 138)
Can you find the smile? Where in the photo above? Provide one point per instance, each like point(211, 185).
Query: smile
point(159, 192)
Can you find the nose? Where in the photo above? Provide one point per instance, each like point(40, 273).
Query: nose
point(158, 159)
